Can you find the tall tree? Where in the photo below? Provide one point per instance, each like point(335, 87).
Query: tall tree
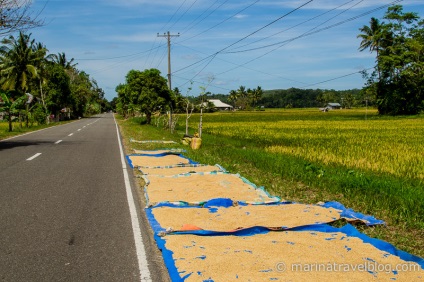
point(372, 37)
point(61, 60)
point(399, 83)
point(18, 62)
point(147, 89)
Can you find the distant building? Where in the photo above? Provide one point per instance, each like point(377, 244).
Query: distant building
point(333, 106)
point(217, 104)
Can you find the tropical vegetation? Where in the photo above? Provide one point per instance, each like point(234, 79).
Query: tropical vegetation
point(397, 81)
point(58, 90)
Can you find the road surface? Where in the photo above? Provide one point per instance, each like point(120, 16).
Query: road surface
point(66, 208)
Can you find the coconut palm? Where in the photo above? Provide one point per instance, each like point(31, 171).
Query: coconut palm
point(256, 95)
point(42, 72)
point(372, 38)
point(61, 59)
point(18, 62)
point(233, 97)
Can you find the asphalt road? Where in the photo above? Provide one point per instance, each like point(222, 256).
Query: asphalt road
point(64, 210)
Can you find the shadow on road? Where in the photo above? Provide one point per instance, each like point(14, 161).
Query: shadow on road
point(4, 145)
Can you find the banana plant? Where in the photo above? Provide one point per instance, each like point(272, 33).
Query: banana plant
point(11, 106)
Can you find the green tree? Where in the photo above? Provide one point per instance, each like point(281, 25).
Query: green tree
point(57, 89)
point(398, 87)
point(242, 97)
point(61, 60)
point(42, 78)
point(18, 63)
point(256, 95)
point(373, 37)
point(233, 97)
point(147, 89)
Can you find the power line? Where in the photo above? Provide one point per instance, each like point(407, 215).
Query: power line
point(243, 66)
point(316, 31)
point(190, 26)
point(223, 21)
point(292, 27)
point(290, 40)
point(247, 36)
point(119, 57)
point(339, 77)
point(182, 4)
point(192, 4)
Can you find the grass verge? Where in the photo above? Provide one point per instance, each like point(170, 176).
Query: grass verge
point(18, 129)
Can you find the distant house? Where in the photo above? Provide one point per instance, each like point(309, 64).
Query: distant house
point(333, 106)
point(217, 104)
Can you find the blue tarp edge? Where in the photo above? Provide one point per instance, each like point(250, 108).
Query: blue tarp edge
point(351, 214)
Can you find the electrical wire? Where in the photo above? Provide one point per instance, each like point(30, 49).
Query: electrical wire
point(316, 31)
point(292, 27)
point(192, 4)
point(336, 78)
point(223, 21)
point(213, 11)
point(247, 36)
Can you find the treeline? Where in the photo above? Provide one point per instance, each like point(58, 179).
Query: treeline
point(301, 98)
point(36, 86)
point(310, 98)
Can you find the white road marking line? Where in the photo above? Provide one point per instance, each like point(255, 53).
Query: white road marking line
point(138, 239)
point(84, 126)
point(71, 134)
point(33, 157)
point(79, 129)
point(58, 141)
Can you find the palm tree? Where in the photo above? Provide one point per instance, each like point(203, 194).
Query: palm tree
point(18, 61)
point(233, 97)
point(242, 97)
point(256, 95)
point(61, 59)
point(42, 73)
point(372, 38)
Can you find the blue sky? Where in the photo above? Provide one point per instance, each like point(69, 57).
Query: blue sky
point(222, 43)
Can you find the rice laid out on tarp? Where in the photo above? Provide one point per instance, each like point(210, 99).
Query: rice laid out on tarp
point(156, 152)
point(170, 171)
point(237, 217)
point(287, 256)
point(157, 161)
point(198, 188)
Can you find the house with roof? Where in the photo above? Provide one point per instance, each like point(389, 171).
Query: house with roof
point(333, 106)
point(219, 105)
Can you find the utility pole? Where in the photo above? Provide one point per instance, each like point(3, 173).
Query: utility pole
point(168, 36)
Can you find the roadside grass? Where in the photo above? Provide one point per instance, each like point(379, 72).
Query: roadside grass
point(399, 201)
point(18, 129)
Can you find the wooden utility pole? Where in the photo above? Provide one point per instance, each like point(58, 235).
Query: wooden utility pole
point(168, 36)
